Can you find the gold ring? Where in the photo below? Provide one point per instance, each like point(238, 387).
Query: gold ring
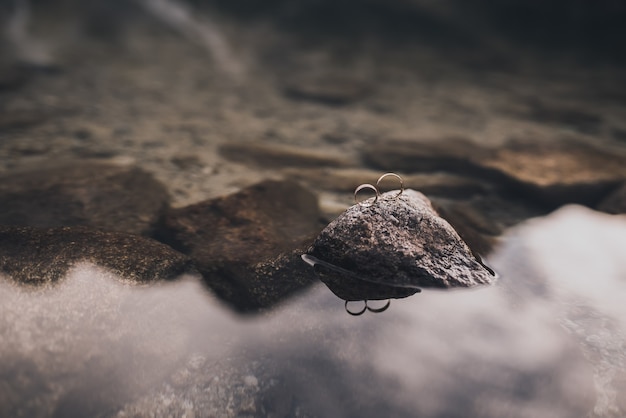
point(356, 313)
point(379, 310)
point(366, 186)
point(393, 175)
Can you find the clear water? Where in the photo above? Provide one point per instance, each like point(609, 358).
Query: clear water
point(547, 340)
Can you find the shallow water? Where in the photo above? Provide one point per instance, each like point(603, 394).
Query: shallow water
point(547, 340)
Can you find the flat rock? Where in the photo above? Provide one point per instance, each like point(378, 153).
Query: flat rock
point(327, 89)
point(400, 242)
point(244, 243)
point(38, 256)
point(568, 116)
point(553, 172)
point(276, 155)
point(454, 154)
point(615, 202)
point(559, 172)
point(95, 194)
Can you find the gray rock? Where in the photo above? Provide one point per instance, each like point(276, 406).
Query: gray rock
point(38, 256)
point(572, 117)
point(95, 194)
point(329, 89)
point(400, 242)
point(615, 202)
point(274, 155)
point(247, 245)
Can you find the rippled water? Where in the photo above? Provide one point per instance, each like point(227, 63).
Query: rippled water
point(547, 340)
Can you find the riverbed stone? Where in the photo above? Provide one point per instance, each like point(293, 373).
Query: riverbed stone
point(42, 256)
point(347, 179)
point(559, 171)
point(400, 241)
point(456, 154)
point(329, 89)
point(247, 245)
point(277, 155)
point(615, 202)
point(549, 171)
point(568, 116)
point(97, 194)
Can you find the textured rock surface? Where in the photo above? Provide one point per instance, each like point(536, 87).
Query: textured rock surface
point(44, 255)
point(95, 194)
point(400, 242)
point(236, 241)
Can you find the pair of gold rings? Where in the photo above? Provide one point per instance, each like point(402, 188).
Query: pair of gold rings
point(375, 187)
point(366, 308)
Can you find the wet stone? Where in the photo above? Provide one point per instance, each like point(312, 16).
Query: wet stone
point(615, 202)
point(568, 116)
point(327, 89)
point(96, 194)
point(453, 154)
point(552, 172)
point(350, 288)
point(560, 171)
point(274, 155)
point(248, 245)
point(37, 256)
point(346, 180)
point(399, 242)
point(619, 134)
point(481, 219)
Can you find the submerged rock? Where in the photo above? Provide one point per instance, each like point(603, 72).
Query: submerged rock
point(546, 171)
point(274, 155)
point(400, 241)
point(560, 171)
point(243, 244)
point(615, 203)
point(38, 256)
point(95, 194)
point(329, 89)
point(344, 179)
